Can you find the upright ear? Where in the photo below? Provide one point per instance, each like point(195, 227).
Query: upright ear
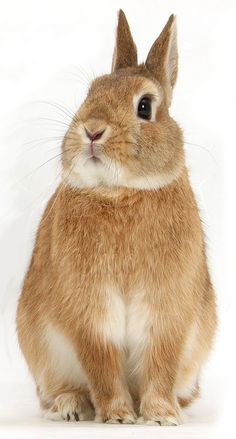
point(125, 53)
point(162, 60)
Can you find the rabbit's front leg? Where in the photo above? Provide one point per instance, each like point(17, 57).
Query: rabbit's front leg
point(102, 363)
point(158, 401)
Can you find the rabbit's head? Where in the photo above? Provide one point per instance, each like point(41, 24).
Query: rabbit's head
point(123, 135)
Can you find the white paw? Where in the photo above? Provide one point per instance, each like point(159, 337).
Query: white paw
point(70, 407)
point(116, 419)
point(158, 420)
point(128, 419)
point(52, 416)
point(66, 415)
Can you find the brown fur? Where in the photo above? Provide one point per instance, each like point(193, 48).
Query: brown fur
point(132, 239)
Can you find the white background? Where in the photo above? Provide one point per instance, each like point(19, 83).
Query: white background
point(49, 52)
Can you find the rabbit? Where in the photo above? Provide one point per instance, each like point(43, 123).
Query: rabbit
point(118, 313)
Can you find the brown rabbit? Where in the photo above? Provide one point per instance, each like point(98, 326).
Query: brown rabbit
point(117, 313)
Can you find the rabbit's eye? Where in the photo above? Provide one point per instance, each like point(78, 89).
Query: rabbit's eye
point(145, 108)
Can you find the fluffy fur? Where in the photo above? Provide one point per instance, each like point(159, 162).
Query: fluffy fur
point(117, 313)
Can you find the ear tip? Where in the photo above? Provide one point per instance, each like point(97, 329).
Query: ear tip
point(125, 54)
point(172, 19)
point(123, 25)
point(121, 15)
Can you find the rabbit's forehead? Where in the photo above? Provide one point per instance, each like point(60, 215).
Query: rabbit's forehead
point(120, 87)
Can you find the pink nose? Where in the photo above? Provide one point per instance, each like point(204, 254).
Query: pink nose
point(94, 136)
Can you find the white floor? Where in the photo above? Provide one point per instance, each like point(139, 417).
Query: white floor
point(20, 418)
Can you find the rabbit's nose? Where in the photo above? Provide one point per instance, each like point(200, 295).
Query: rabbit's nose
point(94, 136)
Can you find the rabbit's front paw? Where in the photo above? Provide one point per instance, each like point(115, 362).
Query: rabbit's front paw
point(159, 412)
point(116, 413)
point(71, 406)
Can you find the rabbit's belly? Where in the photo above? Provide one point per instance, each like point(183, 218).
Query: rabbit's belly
point(126, 325)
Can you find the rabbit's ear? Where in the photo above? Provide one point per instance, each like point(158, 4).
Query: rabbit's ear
point(125, 53)
point(162, 60)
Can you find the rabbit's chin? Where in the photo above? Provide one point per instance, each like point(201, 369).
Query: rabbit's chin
point(90, 173)
point(99, 174)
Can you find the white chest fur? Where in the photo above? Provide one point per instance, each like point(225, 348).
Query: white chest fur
point(127, 324)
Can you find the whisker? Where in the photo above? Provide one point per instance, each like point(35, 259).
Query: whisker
point(56, 121)
point(58, 193)
point(79, 78)
point(37, 142)
point(84, 73)
point(204, 148)
point(67, 112)
point(39, 167)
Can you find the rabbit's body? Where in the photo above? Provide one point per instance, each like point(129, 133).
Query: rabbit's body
point(117, 309)
point(87, 292)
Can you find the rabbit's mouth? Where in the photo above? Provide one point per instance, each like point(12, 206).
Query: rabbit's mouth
point(94, 159)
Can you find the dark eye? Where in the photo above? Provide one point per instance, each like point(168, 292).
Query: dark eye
point(145, 108)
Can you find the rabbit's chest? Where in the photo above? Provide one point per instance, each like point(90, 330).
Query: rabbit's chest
point(118, 250)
